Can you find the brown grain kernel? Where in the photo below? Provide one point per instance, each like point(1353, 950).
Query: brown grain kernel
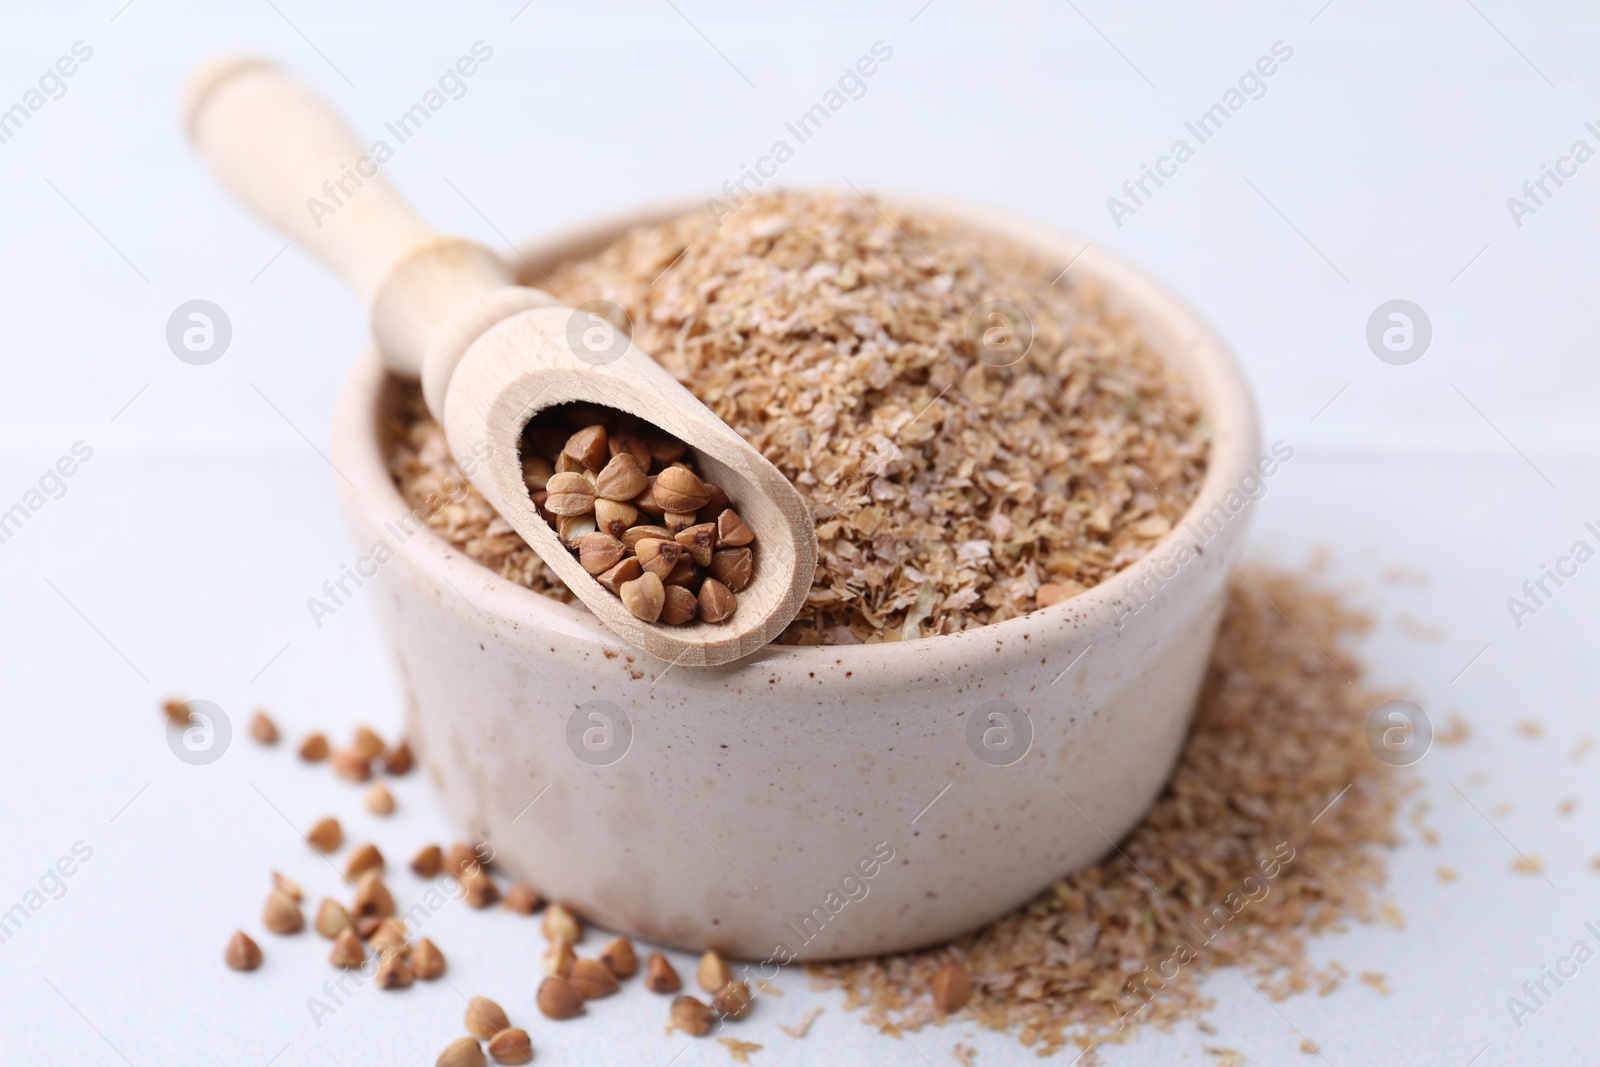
point(326, 835)
point(393, 973)
point(365, 858)
point(287, 887)
point(619, 957)
point(679, 489)
point(462, 1052)
point(373, 898)
point(588, 447)
point(389, 938)
point(481, 890)
point(951, 988)
point(379, 800)
point(620, 443)
point(574, 528)
point(559, 921)
point(314, 749)
point(536, 472)
point(368, 743)
point(592, 979)
point(427, 862)
point(352, 765)
point(558, 958)
point(679, 607)
point(485, 1018)
point(664, 450)
point(691, 1016)
point(571, 495)
point(176, 711)
point(399, 760)
point(282, 914)
point(658, 556)
point(462, 858)
point(732, 567)
point(634, 534)
point(698, 541)
point(683, 573)
point(427, 962)
point(557, 999)
point(717, 602)
point(565, 464)
point(713, 972)
point(242, 954)
point(613, 517)
point(644, 596)
point(677, 522)
point(599, 552)
point(622, 573)
point(621, 480)
point(347, 951)
point(511, 1046)
point(522, 899)
point(732, 531)
point(733, 1000)
point(646, 501)
point(660, 976)
point(332, 919)
point(263, 729)
point(716, 502)
point(365, 925)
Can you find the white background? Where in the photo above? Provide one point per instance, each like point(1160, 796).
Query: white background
point(1377, 166)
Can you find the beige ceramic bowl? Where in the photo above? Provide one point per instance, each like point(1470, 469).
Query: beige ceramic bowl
point(808, 803)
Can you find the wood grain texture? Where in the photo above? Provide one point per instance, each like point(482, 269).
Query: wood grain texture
point(491, 354)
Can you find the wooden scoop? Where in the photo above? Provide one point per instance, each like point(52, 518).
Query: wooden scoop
point(490, 353)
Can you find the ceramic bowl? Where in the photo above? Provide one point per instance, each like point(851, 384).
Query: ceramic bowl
point(808, 803)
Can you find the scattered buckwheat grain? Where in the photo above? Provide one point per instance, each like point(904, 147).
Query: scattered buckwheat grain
point(263, 729)
point(326, 835)
point(379, 800)
point(242, 954)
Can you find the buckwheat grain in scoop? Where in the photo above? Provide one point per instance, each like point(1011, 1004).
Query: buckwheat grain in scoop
point(646, 526)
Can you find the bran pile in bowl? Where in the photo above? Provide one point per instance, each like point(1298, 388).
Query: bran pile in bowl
point(859, 348)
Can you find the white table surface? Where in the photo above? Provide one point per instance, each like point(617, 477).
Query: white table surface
point(1376, 166)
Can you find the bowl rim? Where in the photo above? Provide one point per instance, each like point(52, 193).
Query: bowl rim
point(1203, 359)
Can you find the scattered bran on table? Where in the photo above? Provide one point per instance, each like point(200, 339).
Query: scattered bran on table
point(837, 335)
point(1279, 734)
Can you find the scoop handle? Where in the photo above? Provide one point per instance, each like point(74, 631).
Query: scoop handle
point(282, 151)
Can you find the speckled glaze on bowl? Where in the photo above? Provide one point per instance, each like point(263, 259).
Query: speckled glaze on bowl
point(808, 803)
